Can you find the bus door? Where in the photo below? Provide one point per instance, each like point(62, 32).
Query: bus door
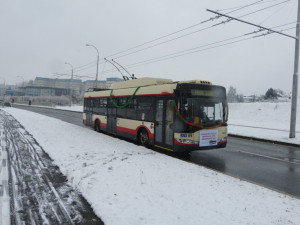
point(111, 118)
point(89, 111)
point(164, 120)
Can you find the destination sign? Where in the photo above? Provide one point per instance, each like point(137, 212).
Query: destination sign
point(202, 92)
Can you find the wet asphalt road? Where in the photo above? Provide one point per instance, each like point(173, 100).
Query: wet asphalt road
point(274, 166)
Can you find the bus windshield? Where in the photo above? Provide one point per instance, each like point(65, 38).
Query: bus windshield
point(203, 111)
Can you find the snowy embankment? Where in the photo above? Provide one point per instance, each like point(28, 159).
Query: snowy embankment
point(265, 120)
point(129, 184)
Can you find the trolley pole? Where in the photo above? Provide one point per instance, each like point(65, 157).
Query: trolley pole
point(295, 79)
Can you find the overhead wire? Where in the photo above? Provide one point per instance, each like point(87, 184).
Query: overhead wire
point(194, 50)
point(263, 2)
point(268, 17)
point(89, 65)
point(206, 28)
point(178, 31)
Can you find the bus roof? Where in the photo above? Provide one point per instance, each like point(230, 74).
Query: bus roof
point(142, 82)
point(150, 86)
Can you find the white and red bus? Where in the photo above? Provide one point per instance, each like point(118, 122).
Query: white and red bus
point(177, 116)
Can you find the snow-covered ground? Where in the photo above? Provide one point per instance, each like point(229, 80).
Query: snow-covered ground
point(266, 120)
point(130, 184)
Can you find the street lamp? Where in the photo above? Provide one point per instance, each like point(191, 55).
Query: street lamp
point(3, 88)
point(70, 83)
point(22, 79)
point(96, 85)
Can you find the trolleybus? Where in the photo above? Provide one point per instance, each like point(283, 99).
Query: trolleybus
point(178, 116)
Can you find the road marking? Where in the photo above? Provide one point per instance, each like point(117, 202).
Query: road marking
point(268, 157)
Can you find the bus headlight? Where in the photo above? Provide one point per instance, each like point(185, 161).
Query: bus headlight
point(184, 141)
point(223, 139)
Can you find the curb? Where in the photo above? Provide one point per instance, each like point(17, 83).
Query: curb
point(265, 140)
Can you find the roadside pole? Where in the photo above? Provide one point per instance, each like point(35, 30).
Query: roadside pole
point(295, 79)
point(296, 63)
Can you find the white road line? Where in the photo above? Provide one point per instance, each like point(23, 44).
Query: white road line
point(268, 157)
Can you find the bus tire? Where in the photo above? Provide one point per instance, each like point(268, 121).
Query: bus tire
point(97, 126)
point(143, 137)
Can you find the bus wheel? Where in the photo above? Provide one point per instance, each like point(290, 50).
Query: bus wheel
point(143, 137)
point(97, 126)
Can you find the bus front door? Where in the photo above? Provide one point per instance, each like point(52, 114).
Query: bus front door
point(164, 119)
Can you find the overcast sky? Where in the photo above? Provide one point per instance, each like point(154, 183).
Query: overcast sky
point(39, 36)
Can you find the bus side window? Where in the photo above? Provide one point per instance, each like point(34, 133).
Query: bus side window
point(122, 112)
point(96, 105)
point(145, 108)
point(131, 109)
point(102, 106)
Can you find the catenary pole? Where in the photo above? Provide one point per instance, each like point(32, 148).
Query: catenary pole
point(96, 80)
point(70, 84)
point(296, 64)
point(295, 79)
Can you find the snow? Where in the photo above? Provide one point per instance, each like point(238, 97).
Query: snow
point(130, 184)
point(267, 120)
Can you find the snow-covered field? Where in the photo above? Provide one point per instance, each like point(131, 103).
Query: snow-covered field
point(266, 120)
point(129, 184)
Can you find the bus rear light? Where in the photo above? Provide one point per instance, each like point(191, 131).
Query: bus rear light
point(152, 125)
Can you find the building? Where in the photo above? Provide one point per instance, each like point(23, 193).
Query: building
point(59, 87)
point(45, 91)
point(76, 84)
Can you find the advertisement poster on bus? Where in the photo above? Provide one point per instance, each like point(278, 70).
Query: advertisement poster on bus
point(208, 138)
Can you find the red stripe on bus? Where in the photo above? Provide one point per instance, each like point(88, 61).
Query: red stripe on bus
point(103, 125)
point(132, 131)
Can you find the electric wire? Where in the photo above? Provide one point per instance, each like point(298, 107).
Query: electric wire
point(264, 2)
point(90, 65)
point(193, 50)
point(178, 31)
point(268, 17)
point(191, 33)
point(190, 51)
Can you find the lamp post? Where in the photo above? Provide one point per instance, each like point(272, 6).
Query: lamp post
point(70, 83)
point(96, 81)
point(22, 79)
point(3, 88)
point(295, 79)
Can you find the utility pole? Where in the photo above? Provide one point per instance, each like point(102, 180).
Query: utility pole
point(96, 80)
point(295, 79)
point(296, 64)
point(70, 84)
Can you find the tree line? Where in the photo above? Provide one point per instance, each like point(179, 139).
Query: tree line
point(271, 94)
